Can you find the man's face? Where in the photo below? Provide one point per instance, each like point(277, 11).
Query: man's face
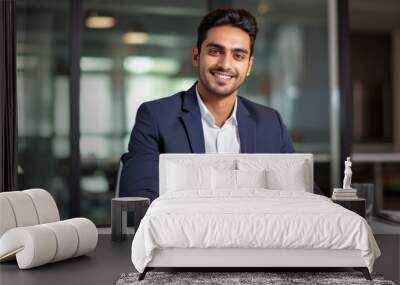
point(224, 60)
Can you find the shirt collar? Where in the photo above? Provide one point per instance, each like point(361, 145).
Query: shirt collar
point(208, 117)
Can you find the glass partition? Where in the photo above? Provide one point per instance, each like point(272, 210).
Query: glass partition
point(43, 97)
point(143, 53)
point(290, 71)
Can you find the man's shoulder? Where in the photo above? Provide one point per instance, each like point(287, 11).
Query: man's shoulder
point(258, 110)
point(169, 101)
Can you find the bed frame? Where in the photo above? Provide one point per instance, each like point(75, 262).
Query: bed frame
point(241, 259)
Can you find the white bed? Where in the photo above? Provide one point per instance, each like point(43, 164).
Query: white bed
point(247, 210)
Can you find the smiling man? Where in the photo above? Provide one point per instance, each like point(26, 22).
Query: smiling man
point(210, 117)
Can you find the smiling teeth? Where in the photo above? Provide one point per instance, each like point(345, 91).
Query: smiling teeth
point(224, 76)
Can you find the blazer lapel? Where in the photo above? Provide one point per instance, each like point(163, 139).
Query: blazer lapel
point(247, 128)
point(191, 119)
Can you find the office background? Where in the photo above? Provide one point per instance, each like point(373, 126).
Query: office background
point(82, 68)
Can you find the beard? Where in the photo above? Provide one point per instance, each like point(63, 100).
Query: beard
point(217, 90)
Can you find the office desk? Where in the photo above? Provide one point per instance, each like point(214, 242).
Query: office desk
point(102, 266)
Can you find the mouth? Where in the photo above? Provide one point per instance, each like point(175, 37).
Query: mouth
point(222, 76)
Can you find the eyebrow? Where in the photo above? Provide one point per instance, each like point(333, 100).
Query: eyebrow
point(222, 47)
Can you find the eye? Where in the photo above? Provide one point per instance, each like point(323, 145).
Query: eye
point(214, 51)
point(239, 56)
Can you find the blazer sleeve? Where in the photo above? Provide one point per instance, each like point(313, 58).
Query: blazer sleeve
point(286, 141)
point(139, 176)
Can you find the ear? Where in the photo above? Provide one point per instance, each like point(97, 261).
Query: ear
point(195, 56)
point(250, 66)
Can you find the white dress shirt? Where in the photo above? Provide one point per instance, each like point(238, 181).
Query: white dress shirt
point(219, 140)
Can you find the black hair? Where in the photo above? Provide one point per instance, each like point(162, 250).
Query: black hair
point(239, 18)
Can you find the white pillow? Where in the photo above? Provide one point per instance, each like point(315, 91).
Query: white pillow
point(280, 174)
point(182, 177)
point(224, 179)
point(293, 181)
point(227, 179)
point(251, 178)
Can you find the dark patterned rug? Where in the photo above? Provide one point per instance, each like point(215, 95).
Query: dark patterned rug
point(231, 278)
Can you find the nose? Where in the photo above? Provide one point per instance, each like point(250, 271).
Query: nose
point(225, 61)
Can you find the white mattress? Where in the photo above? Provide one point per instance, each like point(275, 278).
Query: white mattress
point(251, 218)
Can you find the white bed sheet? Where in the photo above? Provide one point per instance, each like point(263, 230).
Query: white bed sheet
point(251, 218)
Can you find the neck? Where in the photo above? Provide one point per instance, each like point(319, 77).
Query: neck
point(220, 107)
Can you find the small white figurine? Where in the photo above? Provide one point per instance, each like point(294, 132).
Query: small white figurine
point(347, 174)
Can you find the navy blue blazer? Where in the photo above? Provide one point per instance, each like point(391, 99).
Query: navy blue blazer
point(173, 125)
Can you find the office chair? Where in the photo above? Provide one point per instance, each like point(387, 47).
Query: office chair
point(122, 160)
